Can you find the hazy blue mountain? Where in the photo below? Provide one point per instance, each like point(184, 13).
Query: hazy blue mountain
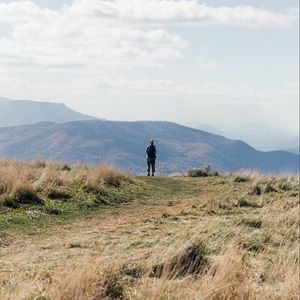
point(123, 144)
point(260, 136)
point(210, 128)
point(294, 149)
point(19, 112)
point(292, 145)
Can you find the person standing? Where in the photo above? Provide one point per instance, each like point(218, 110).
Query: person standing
point(151, 157)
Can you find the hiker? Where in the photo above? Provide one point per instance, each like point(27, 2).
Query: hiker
point(151, 156)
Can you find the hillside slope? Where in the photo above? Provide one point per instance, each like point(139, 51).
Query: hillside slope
point(19, 112)
point(123, 144)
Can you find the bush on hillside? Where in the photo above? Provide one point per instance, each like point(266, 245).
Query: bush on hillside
point(57, 194)
point(191, 261)
point(245, 203)
point(65, 167)
point(202, 172)
point(269, 188)
point(26, 195)
point(239, 178)
point(23, 195)
point(9, 201)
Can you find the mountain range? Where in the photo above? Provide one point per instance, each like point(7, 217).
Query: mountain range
point(123, 144)
point(260, 136)
point(20, 112)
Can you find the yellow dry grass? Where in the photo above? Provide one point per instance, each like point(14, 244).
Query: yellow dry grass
point(39, 175)
point(251, 241)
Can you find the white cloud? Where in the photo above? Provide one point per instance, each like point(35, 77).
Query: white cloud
point(101, 33)
point(179, 11)
point(67, 37)
point(96, 51)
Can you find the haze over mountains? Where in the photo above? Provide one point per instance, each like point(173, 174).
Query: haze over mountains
point(19, 112)
point(123, 143)
point(260, 136)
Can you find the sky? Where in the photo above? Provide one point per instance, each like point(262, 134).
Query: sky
point(187, 61)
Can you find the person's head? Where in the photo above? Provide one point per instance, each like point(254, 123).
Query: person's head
point(151, 142)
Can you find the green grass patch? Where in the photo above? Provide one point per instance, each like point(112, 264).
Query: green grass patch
point(28, 209)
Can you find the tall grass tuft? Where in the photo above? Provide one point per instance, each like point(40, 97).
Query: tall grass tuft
point(26, 182)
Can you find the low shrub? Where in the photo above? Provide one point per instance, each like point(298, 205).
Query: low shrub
point(284, 186)
point(9, 201)
point(113, 289)
point(269, 189)
point(23, 195)
point(110, 175)
point(26, 195)
point(253, 244)
point(241, 179)
point(191, 261)
point(255, 190)
point(92, 188)
point(244, 203)
point(56, 194)
point(75, 245)
point(133, 270)
point(202, 172)
point(65, 167)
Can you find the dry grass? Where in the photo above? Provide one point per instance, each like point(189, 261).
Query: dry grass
point(187, 238)
point(93, 280)
point(202, 172)
point(41, 176)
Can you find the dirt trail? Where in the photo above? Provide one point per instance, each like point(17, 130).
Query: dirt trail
point(130, 231)
point(175, 212)
point(105, 233)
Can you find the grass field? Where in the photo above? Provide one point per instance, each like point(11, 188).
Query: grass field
point(72, 232)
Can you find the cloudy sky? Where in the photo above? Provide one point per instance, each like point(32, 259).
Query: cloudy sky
point(180, 60)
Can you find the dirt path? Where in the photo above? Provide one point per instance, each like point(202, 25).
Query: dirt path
point(248, 239)
point(116, 231)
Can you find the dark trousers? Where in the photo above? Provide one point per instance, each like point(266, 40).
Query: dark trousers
point(151, 165)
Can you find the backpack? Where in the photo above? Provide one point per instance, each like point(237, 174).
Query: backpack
point(151, 151)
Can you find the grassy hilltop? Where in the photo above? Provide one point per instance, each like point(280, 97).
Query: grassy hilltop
point(76, 232)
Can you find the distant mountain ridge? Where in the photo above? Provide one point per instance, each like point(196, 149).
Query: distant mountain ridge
point(123, 144)
point(20, 112)
point(260, 136)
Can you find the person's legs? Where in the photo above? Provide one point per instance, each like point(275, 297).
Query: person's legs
point(153, 166)
point(148, 164)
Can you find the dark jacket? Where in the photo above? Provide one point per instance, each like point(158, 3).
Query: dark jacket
point(151, 151)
